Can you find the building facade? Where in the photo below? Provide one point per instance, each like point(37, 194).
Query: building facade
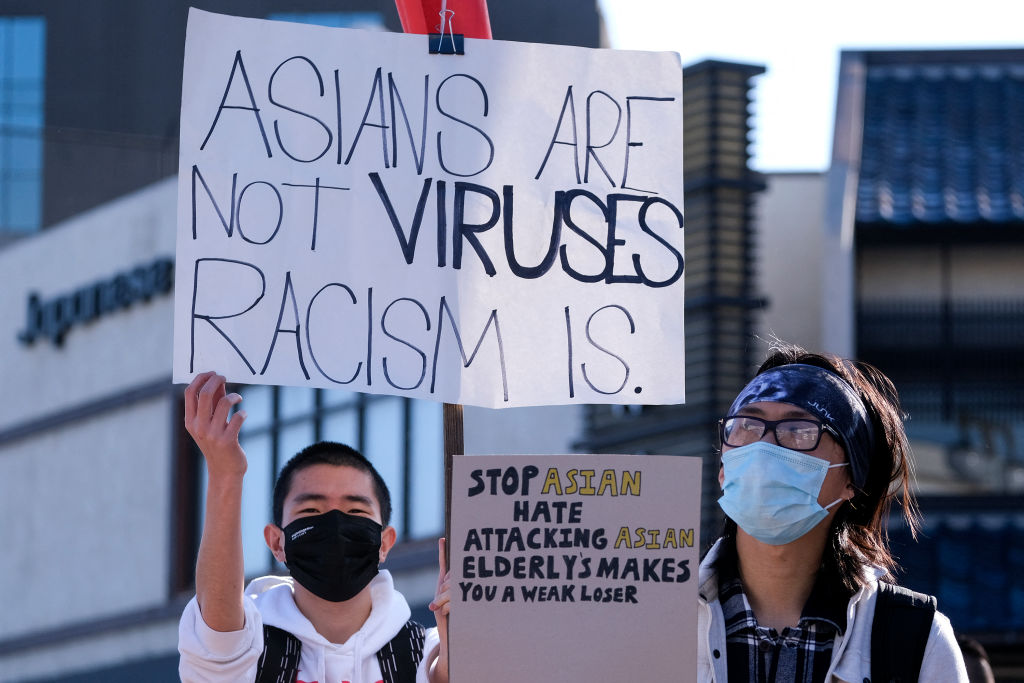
point(102, 486)
point(907, 253)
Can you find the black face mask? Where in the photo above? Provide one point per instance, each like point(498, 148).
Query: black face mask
point(333, 555)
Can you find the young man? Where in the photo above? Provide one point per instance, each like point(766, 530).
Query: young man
point(331, 511)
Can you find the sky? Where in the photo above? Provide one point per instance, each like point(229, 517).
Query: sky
point(799, 42)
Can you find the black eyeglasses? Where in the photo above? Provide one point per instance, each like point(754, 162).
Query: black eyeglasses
point(795, 434)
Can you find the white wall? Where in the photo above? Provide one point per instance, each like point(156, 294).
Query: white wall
point(86, 504)
point(87, 510)
point(789, 217)
point(125, 348)
point(102, 650)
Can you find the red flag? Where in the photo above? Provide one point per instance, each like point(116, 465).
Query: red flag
point(468, 17)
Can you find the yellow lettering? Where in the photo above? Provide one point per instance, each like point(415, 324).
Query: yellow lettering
point(652, 539)
point(552, 481)
point(631, 483)
point(573, 487)
point(607, 482)
point(581, 482)
point(588, 488)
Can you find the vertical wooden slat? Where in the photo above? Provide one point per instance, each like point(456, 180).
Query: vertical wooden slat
point(454, 444)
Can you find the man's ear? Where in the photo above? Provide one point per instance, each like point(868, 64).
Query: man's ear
point(387, 541)
point(274, 537)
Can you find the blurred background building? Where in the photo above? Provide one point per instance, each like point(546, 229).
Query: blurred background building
point(909, 253)
point(906, 253)
point(938, 221)
point(102, 487)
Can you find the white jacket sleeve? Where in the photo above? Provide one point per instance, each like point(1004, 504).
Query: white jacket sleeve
point(432, 640)
point(209, 656)
point(943, 662)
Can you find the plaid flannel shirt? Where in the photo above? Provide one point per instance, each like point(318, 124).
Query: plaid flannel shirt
point(759, 654)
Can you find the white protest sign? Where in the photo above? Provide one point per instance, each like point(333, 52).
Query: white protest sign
point(574, 568)
point(502, 228)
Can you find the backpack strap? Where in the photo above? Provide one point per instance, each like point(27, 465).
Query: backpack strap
point(400, 658)
point(899, 633)
point(279, 662)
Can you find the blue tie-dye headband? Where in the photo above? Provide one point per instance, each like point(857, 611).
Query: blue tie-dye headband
point(823, 394)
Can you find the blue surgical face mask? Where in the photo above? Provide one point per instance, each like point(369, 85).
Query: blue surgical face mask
point(772, 492)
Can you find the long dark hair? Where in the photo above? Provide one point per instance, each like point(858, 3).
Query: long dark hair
point(859, 535)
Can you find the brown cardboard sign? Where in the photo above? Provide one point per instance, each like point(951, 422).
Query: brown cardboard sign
point(574, 568)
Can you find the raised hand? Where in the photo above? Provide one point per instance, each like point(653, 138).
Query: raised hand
point(206, 418)
point(219, 567)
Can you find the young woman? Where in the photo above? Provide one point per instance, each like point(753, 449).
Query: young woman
point(813, 455)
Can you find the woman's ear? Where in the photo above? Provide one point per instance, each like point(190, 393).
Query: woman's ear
point(274, 536)
point(849, 492)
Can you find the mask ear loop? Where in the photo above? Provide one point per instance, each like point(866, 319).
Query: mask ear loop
point(837, 501)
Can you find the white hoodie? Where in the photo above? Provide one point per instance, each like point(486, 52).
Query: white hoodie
point(209, 656)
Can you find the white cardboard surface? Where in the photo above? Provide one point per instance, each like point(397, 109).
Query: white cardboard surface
point(497, 229)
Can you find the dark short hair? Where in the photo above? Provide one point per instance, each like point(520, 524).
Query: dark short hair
point(329, 453)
